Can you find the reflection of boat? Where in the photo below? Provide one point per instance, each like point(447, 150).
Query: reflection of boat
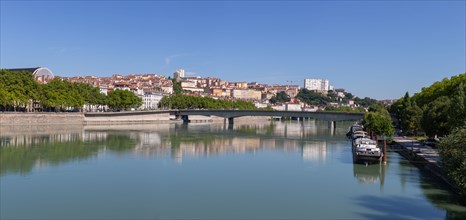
point(366, 150)
point(368, 174)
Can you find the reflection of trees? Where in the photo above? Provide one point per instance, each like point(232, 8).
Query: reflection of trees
point(121, 142)
point(47, 150)
point(443, 199)
point(433, 189)
point(20, 152)
point(22, 159)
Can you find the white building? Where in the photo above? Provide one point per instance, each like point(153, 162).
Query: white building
point(150, 100)
point(103, 90)
point(178, 74)
point(318, 85)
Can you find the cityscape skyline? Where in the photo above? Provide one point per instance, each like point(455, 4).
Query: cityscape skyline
point(373, 49)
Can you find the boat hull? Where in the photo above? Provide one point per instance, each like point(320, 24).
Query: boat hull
point(366, 157)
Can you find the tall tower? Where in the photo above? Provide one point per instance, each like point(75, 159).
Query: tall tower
point(178, 74)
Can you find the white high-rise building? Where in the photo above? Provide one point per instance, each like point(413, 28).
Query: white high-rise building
point(179, 73)
point(318, 85)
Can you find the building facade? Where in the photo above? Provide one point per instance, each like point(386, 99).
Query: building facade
point(317, 85)
point(150, 100)
point(178, 74)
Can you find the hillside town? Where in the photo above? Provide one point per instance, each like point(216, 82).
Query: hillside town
point(151, 88)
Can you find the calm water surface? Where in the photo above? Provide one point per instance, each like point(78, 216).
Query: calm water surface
point(263, 170)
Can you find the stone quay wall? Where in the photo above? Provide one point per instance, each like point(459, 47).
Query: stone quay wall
point(42, 118)
point(68, 118)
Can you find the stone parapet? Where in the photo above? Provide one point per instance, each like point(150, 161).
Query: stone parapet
point(45, 118)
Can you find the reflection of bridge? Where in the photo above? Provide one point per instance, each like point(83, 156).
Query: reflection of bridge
point(231, 114)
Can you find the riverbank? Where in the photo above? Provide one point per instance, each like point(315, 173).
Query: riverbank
point(68, 118)
point(423, 156)
point(40, 118)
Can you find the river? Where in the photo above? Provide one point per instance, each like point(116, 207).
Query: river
point(251, 170)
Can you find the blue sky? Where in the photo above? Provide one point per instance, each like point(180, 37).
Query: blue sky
point(378, 49)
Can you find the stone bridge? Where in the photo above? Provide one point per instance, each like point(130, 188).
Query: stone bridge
point(231, 114)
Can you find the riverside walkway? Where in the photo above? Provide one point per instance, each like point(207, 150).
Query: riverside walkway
point(423, 155)
point(427, 153)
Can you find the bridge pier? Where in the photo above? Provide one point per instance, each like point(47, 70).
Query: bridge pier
point(230, 121)
point(185, 119)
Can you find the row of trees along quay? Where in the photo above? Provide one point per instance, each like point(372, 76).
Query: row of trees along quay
point(20, 92)
point(438, 113)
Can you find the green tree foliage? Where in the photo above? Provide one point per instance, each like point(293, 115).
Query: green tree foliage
point(408, 113)
point(333, 96)
point(437, 109)
point(312, 98)
point(376, 107)
point(17, 89)
point(177, 89)
point(348, 95)
point(344, 109)
point(412, 121)
point(280, 97)
point(453, 153)
point(446, 87)
point(123, 99)
point(90, 94)
point(457, 114)
point(60, 95)
point(365, 102)
point(379, 122)
point(436, 116)
point(194, 102)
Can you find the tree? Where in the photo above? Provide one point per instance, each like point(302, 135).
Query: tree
point(280, 97)
point(312, 98)
point(344, 109)
point(446, 87)
point(123, 99)
point(376, 107)
point(413, 118)
point(17, 89)
point(379, 122)
point(60, 95)
point(177, 87)
point(366, 102)
point(435, 117)
point(457, 114)
point(193, 102)
point(453, 153)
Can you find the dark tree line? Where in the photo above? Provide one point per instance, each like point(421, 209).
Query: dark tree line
point(20, 92)
point(437, 110)
point(195, 102)
point(315, 98)
point(280, 97)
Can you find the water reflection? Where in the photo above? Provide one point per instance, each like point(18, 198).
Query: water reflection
point(267, 168)
point(315, 151)
point(369, 174)
point(23, 148)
